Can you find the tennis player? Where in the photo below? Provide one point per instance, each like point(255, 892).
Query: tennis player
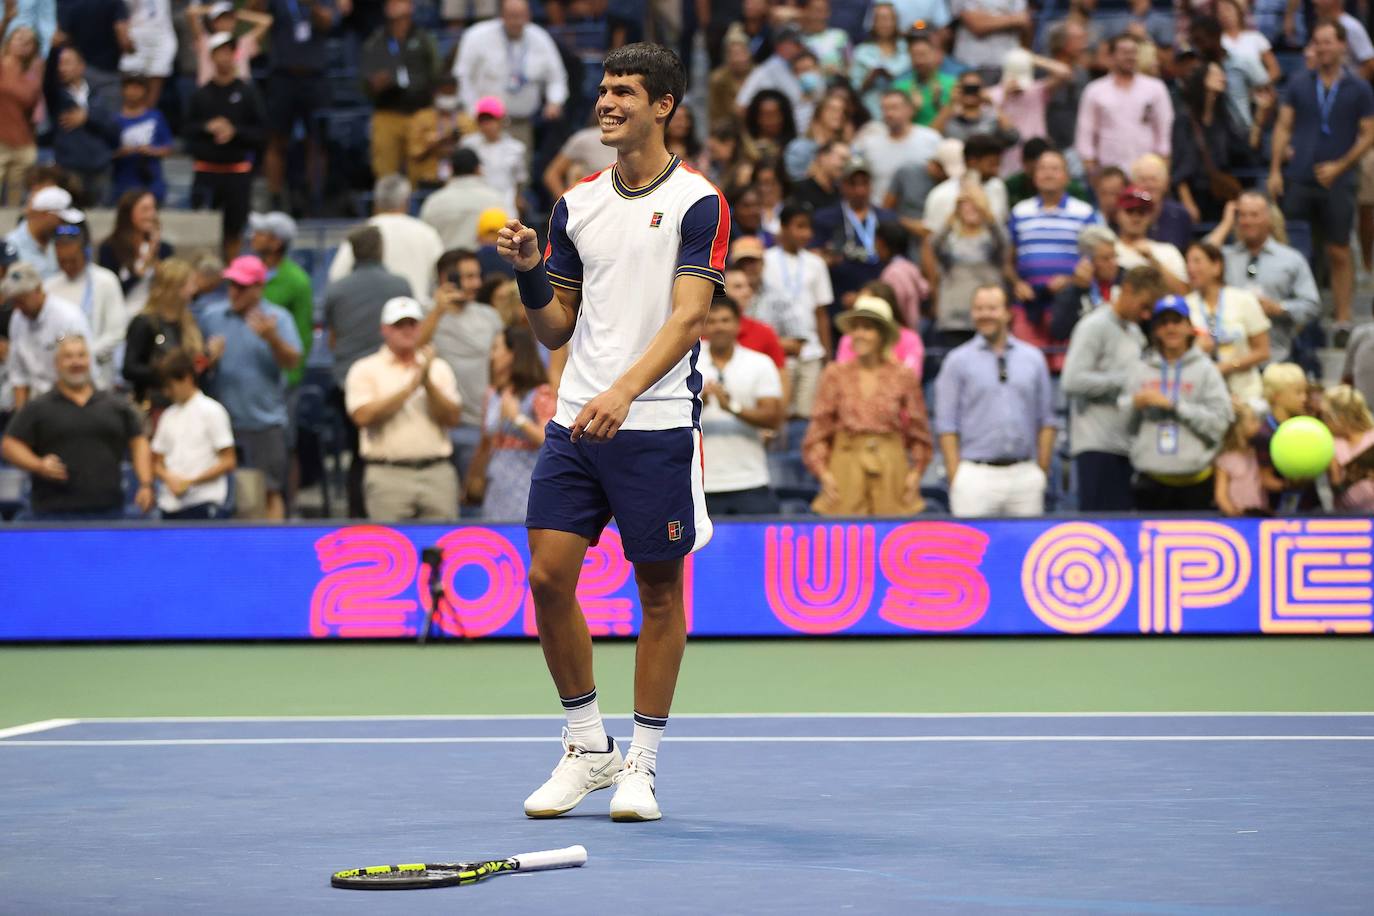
point(635, 253)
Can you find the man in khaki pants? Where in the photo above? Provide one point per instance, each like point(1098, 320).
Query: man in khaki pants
point(404, 402)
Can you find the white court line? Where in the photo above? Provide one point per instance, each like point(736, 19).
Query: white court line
point(30, 728)
point(549, 717)
point(697, 739)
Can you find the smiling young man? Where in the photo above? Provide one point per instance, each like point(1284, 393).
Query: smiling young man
point(635, 253)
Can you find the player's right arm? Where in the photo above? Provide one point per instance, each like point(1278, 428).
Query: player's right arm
point(550, 288)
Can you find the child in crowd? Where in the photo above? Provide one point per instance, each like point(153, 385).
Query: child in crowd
point(1285, 389)
point(144, 140)
point(505, 161)
point(1239, 487)
point(1347, 416)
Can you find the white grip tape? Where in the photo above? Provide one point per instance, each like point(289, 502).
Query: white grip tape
point(571, 857)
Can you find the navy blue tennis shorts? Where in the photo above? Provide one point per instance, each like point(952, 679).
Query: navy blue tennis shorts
point(649, 481)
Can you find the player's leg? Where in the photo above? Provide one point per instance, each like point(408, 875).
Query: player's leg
point(567, 511)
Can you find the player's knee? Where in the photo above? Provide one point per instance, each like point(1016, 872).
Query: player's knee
point(550, 586)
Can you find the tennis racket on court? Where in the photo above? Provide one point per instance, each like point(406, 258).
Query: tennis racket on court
point(447, 874)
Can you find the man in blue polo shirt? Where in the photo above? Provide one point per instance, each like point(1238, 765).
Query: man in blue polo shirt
point(253, 344)
point(1328, 117)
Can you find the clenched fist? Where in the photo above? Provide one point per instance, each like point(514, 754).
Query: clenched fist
point(519, 245)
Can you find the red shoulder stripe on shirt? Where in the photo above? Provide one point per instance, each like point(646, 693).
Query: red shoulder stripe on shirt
point(720, 245)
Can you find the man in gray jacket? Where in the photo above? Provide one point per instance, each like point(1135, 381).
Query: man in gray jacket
point(1103, 350)
point(1178, 410)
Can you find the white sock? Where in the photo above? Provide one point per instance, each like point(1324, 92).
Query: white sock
point(585, 728)
point(648, 733)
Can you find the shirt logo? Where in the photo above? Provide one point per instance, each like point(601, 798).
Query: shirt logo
point(656, 220)
point(674, 528)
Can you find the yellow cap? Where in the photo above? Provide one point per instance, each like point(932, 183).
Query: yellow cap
point(493, 219)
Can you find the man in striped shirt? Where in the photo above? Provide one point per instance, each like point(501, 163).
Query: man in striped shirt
point(1044, 234)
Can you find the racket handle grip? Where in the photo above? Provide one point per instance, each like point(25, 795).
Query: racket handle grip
point(571, 857)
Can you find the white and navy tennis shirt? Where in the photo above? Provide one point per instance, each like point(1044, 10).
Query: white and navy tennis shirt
point(623, 248)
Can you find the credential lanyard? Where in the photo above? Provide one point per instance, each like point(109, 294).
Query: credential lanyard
point(1214, 319)
point(1171, 392)
point(866, 232)
point(1326, 101)
point(86, 295)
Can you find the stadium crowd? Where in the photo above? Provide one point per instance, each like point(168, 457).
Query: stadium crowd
point(1069, 252)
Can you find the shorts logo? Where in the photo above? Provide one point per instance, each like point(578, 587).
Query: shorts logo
point(656, 220)
point(675, 531)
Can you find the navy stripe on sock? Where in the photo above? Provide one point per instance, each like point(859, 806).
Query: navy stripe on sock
point(651, 721)
point(575, 702)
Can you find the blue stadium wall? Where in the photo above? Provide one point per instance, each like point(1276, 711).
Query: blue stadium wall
point(785, 578)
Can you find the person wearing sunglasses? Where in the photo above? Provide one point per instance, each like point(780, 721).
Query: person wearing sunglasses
point(994, 417)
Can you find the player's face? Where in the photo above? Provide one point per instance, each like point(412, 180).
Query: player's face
point(722, 327)
point(625, 113)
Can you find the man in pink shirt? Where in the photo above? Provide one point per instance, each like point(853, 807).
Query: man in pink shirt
point(1123, 115)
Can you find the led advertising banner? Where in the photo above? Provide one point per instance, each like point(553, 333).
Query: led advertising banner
point(784, 578)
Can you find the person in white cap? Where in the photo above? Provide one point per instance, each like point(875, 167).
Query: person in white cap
point(404, 401)
point(48, 208)
point(39, 321)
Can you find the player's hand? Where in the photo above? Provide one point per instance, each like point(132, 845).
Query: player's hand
point(601, 418)
point(52, 468)
point(518, 245)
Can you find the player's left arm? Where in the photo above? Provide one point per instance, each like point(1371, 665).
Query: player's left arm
point(701, 260)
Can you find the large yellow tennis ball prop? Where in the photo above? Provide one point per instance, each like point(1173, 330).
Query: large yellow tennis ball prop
point(1302, 448)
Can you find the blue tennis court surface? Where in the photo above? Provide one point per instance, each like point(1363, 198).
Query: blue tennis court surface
point(762, 814)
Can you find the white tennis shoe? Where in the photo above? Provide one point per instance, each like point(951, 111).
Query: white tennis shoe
point(634, 798)
point(580, 773)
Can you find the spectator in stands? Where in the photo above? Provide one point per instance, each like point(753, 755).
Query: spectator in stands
point(986, 30)
point(165, 325)
point(1278, 276)
point(1346, 414)
point(463, 330)
point(405, 401)
point(516, 61)
point(21, 88)
point(928, 85)
point(97, 293)
point(994, 417)
point(47, 209)
point(970, 111)
point(1067, 44)
point(1358, 369)
point(829, 124)
point(193, 447)
point(830, 45)
point(894, 143)
point(72, 441)
point(135, 246)
point(515, 410)
point(963, 256)
point(1134, 247)
point(909, 286)
point(908, 350)
point(154, 42)
point(912, 184)
point(223, 19)
point(86, 132)
point(581, 155)
point(399, 65)
point(98, 31)
point(288, 285)
point(1286, 390)
point(410, 247)
point(352, 319)
point(1239, 39)
point(144, 141)
point(779, 73)
point(981, 160)
point(225, 125)
point(801, 291)
point(1103, 348)
point(820, 189)
point(505, 165)
point(1095, 281)
point(433, 134)
point(1329, 122)
point(754, 334)
point(1359, 48)
point(490, 222)
point(1244, 73)
point(1044, 240)
point(296, 83)
point(1107, 186)
point(746, 216)
point(868, 442)
point(37, 324)
point(1020, 185)
point(770, 124)
point(209, 283)
point(1239, 487)
point(1234, 324)
point(1178, 411)
point(453, 210)
point(724, 82)
point(1169, 220)
point(847, 235)
point(1022, 101)
point(882, 60)
point(252, 344)
point(1123, 115)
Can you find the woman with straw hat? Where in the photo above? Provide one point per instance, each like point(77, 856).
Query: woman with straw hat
point(869, 440)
